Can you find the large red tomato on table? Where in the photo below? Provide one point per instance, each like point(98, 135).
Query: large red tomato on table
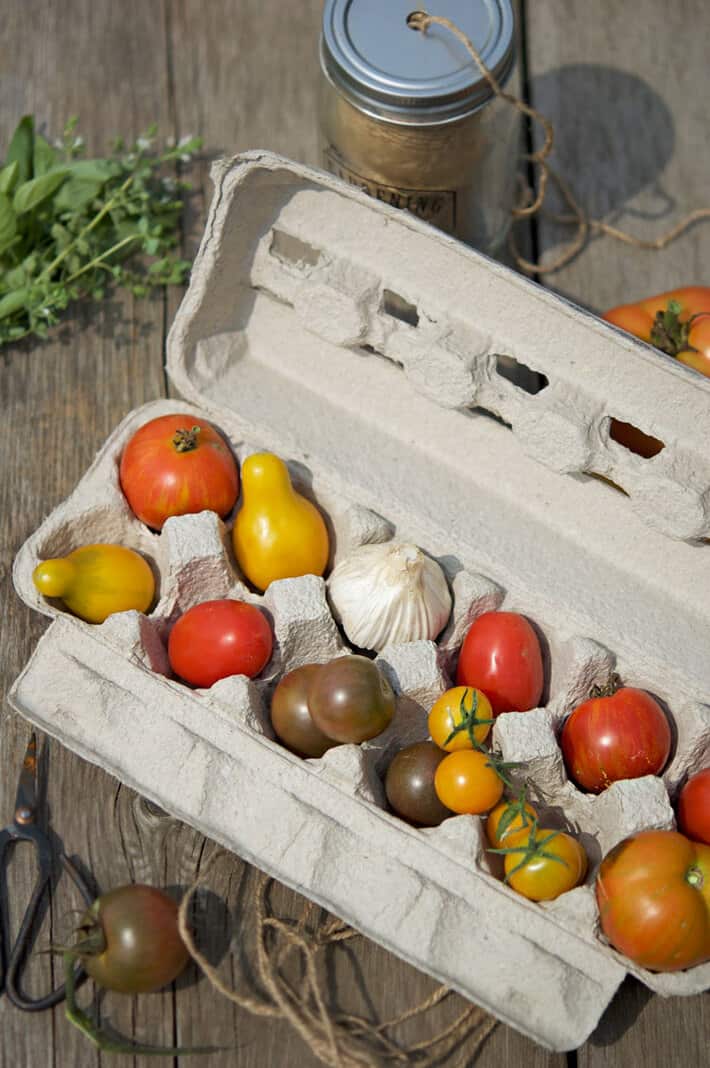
point(694, 807)
point(620, 736)
point(175, 465)
point(501, 655)
point(653, 892)
point(219, 638)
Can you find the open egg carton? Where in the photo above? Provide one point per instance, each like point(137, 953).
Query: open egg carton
point(366, 349)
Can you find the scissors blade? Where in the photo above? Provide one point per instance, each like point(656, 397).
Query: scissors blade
point(26, 800)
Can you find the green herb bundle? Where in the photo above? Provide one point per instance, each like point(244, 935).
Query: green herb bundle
point(68, 225)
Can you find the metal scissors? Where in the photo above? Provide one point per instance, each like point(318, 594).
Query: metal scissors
point(24, 829)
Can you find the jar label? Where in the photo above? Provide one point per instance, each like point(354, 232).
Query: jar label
point(437, 206)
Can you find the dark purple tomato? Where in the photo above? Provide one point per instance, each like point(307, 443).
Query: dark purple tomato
point(350, 700)
point(291, 716)
point(409, 785)
point(138, 943)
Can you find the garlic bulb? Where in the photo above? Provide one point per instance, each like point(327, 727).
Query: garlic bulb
point(387, 593)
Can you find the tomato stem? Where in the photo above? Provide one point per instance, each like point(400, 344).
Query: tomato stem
point(695, 878)
point(668, 333)
point(609, 689)
point(469, 720)
point(185, 440)
point(104, 1041)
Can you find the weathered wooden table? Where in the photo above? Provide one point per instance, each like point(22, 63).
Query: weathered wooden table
point(626, 86)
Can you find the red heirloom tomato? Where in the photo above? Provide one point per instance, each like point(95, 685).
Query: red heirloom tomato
point(653, 892)
point(694, 807)
point(174, 465)
point(621, 736)
point(219, 638)
point(501, 655)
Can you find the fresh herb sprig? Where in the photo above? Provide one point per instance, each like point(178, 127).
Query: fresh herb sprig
point(68, 225)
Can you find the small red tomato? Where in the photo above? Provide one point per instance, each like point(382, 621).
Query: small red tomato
point(219, 638)
point(175, 465)
point(621, 736)
point(694, 807)
point(501, 655)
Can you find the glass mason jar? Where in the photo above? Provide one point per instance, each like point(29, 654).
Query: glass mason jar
point(409, 118)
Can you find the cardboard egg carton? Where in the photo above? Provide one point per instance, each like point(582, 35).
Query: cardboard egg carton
point(352, 340)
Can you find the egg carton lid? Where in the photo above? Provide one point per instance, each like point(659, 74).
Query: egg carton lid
point(350, 335)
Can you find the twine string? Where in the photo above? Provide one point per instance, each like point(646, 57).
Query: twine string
point(338, 1039)
point(530, 204)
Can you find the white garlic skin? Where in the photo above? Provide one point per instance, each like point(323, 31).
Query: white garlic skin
point(387, 593)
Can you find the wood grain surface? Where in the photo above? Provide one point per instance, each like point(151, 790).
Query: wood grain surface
point(626, 86)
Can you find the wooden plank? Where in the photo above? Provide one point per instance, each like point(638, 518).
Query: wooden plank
point(626, 88)
point(106, 63)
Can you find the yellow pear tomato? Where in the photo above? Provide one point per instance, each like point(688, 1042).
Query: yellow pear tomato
point(277, 533)
point(97, 580)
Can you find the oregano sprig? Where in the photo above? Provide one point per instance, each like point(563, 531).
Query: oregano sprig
point(69, 226)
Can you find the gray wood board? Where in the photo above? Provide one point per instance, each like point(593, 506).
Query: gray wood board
point(243, 75)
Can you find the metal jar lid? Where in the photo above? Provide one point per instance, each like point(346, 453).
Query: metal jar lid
point(389, 70)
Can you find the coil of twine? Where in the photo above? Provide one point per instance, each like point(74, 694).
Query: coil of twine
point(338, 1039)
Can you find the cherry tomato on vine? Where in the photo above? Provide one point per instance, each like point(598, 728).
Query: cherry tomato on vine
point(291, 715)
point(174, 465)
point(621, 736)
point(466, 781)
point(219, 638)
point(501, 656)
point(694, 807)
point(542, 864)
point(653, 892)
point(507, 819)
point(131, 940)
point(409, 785)
point(458, 713)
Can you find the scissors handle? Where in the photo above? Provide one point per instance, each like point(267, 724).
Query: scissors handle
point(17, 956)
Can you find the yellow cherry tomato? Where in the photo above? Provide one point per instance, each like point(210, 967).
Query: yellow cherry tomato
point(459, 713)
point(277, 533)
point(543, 863)
point(466, 781)
point(97, 580)
point(507, 819)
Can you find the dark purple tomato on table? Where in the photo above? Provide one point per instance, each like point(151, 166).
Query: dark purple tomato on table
point(135, 941)
point(501, 656)
point(351, 700)
point(409, 785)
point(291, 714)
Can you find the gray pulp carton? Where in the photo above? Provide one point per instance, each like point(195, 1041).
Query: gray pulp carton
point(368, 350)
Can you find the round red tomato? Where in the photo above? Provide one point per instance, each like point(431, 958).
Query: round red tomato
point(501, 655)
point(653, 892)
point(694, 807)
point(622, 736)
point(175, 465)
point(219, 638)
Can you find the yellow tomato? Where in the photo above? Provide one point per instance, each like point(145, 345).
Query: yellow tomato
point(507, 819)
point(456, 715)
point(542, 864)
point(278, 533)
point(467, 782)
point(97, 580)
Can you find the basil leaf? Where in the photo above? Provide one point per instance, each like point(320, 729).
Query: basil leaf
point(13, 302)
point(76, 193)
point(21, 148)
point(44, 156)
point(30, 194)
point(94, 170)
point(8, 177)
point(8, 220)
